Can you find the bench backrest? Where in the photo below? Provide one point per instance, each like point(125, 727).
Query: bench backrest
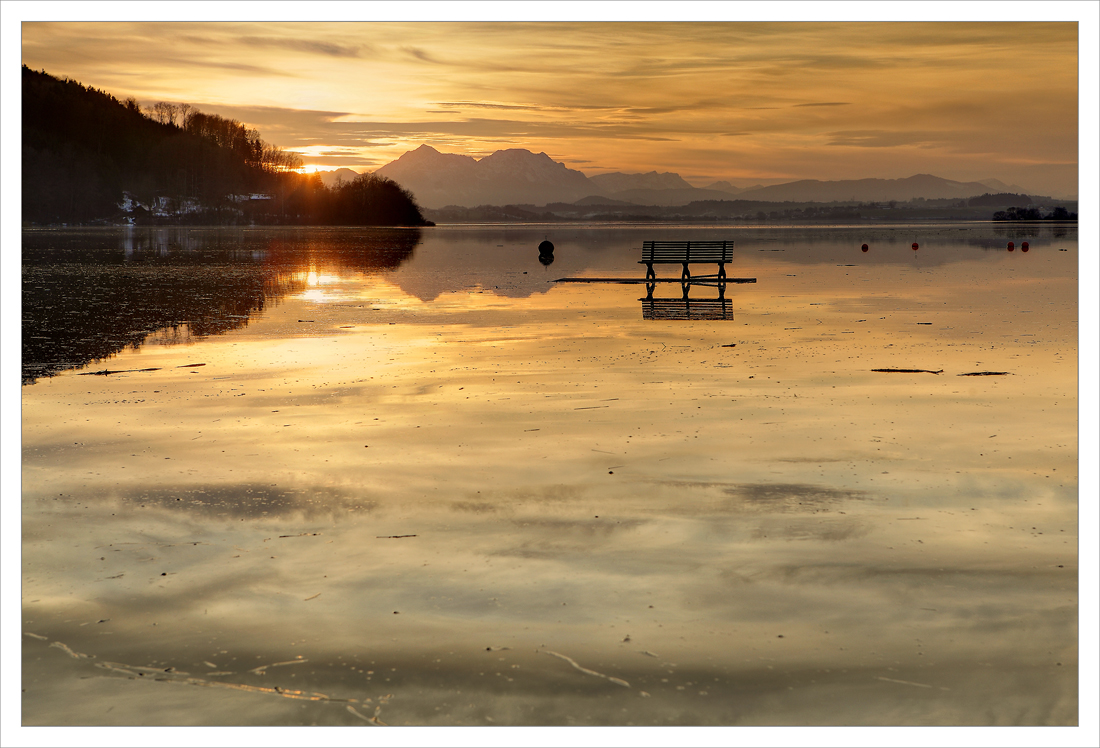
point(687, 251)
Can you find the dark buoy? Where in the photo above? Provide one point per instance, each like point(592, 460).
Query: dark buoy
point(916, 246)
point(1011, 246)
point(864, 247)
point(546, 252)
point(1023, 247)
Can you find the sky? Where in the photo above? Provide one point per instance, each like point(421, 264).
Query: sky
point(746, 102)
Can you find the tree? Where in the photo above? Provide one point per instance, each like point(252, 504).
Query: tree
point(370, 200)
point(165, 112)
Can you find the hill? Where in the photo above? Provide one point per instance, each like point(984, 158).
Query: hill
point(89, 158)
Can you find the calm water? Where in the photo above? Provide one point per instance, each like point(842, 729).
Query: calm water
point(281, 477)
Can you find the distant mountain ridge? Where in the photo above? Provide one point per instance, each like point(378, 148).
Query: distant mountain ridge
point(926, 186)
point(618, 182)
point(331, 178)
point(505, 177)
point(516, 176)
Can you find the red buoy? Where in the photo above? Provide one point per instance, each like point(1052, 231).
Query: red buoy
point(864, 247)
point(915, 245)
point(1011, 246)
point(1023, 246)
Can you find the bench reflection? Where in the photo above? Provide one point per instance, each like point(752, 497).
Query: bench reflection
point(686, 307)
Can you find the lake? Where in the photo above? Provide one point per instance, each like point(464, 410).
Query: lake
point(355, 476)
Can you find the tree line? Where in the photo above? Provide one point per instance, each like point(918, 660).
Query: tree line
point(83, 149)
point(1059, 213)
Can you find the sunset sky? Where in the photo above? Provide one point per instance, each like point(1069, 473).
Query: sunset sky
point(746, 102)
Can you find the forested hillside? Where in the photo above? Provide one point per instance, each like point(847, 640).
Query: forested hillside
point(90, 158)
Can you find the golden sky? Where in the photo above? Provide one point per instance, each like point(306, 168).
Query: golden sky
point(745, 102)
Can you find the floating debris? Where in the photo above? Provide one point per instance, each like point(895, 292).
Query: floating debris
point(904, 682)
point(984, 374)
point(106, 372)
point(909, 371)
point(586, 671)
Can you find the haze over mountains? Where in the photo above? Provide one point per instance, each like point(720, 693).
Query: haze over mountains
point(516, 176)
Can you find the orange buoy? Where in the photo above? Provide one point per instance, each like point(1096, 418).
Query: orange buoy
point(864, 247)
point(915, 245)
point(1023, 246)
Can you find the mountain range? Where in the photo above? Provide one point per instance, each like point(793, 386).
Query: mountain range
point(516, 176)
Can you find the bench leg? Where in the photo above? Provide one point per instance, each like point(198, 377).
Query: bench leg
point(722, 271)
point(685, 276)
point(649, 274)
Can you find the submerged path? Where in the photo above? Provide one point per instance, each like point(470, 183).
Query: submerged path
point(643, 281)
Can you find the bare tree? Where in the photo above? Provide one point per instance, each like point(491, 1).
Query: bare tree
point(165, 112)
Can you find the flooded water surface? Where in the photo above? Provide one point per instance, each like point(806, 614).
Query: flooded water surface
point(342, 477)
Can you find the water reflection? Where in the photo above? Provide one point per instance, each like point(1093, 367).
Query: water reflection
point(685, 307)
point(88, 295)
point(491, 508)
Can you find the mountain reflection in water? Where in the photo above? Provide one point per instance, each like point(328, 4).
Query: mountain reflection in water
point(90, 294)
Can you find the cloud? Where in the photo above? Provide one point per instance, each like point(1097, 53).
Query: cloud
point(486, 105)
point(827, 103)
point(341, 128)
point(328, 49)
point(237, 67)
point(888, 139)
point(421, 55)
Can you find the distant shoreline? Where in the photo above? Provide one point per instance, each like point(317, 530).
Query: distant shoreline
point(655, 222)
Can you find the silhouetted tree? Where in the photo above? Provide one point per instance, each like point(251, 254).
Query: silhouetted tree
point(370, 200)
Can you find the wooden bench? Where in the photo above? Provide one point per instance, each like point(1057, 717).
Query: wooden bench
point(685, 253)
